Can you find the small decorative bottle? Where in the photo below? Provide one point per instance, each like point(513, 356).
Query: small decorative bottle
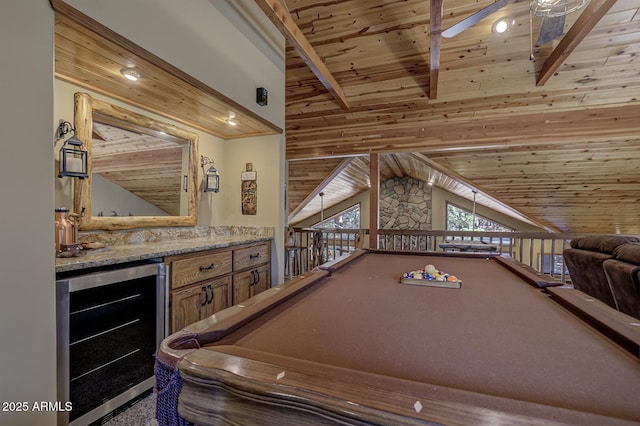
point(64, 229)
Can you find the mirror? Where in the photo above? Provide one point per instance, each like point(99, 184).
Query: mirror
point(142, 172)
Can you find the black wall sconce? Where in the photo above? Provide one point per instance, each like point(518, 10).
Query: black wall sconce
point(211, 176)
point(72, 155)
point(262, 96)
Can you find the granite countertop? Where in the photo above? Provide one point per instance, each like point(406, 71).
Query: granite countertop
point(158, 247)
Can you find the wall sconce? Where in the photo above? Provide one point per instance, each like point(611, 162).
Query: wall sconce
point(72, 155)
point(211, 176)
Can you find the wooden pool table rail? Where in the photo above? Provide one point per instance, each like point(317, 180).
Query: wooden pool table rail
point(623, 329)
point(227, 382)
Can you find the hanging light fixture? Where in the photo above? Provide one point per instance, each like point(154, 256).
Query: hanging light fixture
point(72, 157)
point(473, 214)
point(211, 176)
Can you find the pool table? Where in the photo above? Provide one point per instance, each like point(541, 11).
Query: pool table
point(350, 344)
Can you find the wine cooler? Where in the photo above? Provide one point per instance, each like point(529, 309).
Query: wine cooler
point(109, 325)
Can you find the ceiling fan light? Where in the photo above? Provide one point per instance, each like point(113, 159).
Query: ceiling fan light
point(555, 8)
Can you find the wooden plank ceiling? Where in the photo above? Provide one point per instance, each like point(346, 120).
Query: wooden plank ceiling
point(565, 154)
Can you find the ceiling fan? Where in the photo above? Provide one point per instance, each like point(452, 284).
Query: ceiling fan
point(553, 14)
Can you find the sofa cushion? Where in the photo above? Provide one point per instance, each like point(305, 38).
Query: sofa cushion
point(601, 243)
point(629, 253)
point(587, 273)
point(623, 281)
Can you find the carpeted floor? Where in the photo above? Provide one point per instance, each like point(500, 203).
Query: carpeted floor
point(143, 413)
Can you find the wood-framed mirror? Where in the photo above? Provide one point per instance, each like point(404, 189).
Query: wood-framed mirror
point(142, 172)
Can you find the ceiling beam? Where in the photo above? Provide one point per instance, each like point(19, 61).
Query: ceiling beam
point(276, 11)
point(473, 187)
point(318, 189)
point(435, 28)
point(588, 19)
point(548, 128)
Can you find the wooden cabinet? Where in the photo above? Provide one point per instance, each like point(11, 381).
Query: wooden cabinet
point(203, 283)
point(199, 301)
point(249, 283)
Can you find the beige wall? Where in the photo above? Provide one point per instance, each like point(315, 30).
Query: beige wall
point(30, 192)
point(27, 305)
point(267, 156)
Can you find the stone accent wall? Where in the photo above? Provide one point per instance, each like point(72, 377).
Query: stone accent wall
point(405, 203)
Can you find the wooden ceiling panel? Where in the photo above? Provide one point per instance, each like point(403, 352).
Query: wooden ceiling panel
point(490, 126)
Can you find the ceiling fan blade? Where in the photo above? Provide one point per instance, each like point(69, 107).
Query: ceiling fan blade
point(551, 29)
point(471, 20)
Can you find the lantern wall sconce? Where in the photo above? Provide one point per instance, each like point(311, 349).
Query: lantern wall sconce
point(72, 155)
point(211, 176)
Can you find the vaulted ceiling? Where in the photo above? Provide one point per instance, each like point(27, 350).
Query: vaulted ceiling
point(565, 154)
point(554, 139)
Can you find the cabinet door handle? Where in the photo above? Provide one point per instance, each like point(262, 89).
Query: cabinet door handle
point(253, 278)
point(207, 268)
point(204, 291)
point(254, 256)
point(211, 291)
point(257, 276)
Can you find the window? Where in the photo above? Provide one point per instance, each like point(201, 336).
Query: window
point(346, 219)
point(459, 219)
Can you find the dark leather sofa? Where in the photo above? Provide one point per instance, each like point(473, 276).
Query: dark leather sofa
point(607, 268)
point(623, 275)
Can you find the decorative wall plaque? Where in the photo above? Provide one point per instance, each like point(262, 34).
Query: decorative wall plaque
point(249, 190)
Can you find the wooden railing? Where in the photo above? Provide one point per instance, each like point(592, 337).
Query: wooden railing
point(317, 246)
point(541, 251)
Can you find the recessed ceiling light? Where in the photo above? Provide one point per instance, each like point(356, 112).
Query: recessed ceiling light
point(502, 25)
point(131, 73)
point(231, 121)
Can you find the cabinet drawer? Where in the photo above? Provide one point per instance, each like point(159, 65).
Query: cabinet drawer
point(202, 267)
point(248, 257)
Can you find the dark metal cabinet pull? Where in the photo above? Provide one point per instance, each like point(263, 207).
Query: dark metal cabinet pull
point(204, 291)
point(211, 291)
point(254, 256)
point(207, 268)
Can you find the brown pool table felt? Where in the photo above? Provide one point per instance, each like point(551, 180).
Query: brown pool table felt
point(496, 339)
